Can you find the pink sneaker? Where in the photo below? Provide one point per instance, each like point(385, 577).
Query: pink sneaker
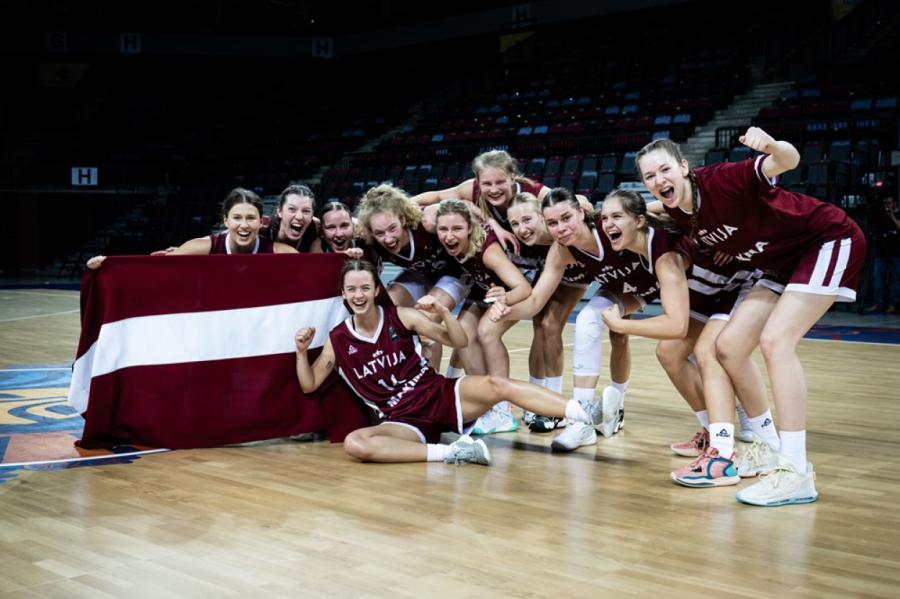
point(709, 470)
point(693, 448)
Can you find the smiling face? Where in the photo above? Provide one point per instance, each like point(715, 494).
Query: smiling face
point(337, 230)
point(496, 186)
point(243, 223)
point(563, 222)
point(527, 223)
point(359, 290)
point(295, 213)
point(666, 179)
point(620, 225)
point(453, 233)
point(389, 231)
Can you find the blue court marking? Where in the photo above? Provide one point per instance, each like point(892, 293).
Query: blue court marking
point(17, 405)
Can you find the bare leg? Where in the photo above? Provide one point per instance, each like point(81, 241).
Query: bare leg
point(471, 356)
point(479, 393)
point(490, 336)
point(718, 391)
point(735, 345)
point(385, 443)
point(536, 361)
point(673, 357)
point(794, 314)
point(555, 315)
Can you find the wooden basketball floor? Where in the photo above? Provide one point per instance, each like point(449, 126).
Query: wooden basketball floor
point(290, 519)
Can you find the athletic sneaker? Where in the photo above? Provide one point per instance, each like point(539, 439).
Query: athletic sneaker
point(621, 423)
point(527, 417)
point(782, 486)
point(709, 470)
point(693, 448)
point(545, 424)
point(745, 435)
point(577, 434)
point(758, 459)
point(466, 450)
point(612, 402)
point(495, 420)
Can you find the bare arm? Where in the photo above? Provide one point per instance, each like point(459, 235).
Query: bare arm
point(673, 291)
point(782, 156)
point(519, 288)
point(463, 191)
point(311, 377)
point(194, 247)
point(557, 259)
point(448, 332)
point(283, 248)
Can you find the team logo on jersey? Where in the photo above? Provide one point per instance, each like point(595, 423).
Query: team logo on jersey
point(393, 333)
point(626, 288)
point(352, 350)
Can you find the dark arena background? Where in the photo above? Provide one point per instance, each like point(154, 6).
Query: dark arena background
point(123, 126)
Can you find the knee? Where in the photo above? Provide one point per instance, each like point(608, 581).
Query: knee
point(706, 355)
point(772, 344)
point(726, 350)
point(359, 446)
point(488, 333)
point(499, 386)
point(668, 355)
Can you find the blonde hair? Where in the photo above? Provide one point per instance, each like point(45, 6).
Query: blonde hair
point(499, 159)
point(528, 199)
point(389, 199)
point(476, 231)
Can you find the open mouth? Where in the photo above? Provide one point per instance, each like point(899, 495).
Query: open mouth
point(667, 193)
point(339, 244)
point(296, 229)
point(243, 236)
point(452, 247)
point(614, 235)
point(525, 236)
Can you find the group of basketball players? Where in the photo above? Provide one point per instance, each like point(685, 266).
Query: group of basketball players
point(736, 262)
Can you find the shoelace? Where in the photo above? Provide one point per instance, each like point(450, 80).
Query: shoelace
point(754, 454)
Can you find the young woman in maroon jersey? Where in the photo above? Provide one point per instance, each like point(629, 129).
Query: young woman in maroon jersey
point(812, 254)
point(546, 361)
point(376, 352)
point(582, 254)
point(293, 222)
point(479, 255)
point(673, 259)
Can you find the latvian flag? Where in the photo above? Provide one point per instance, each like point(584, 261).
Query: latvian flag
point(198, 351)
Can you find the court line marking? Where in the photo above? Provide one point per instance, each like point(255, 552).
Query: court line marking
point(83, 458)
point(39, 315)
point(72, 293)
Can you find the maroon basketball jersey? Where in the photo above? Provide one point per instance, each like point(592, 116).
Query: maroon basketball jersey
point(478, 273)
point(743, 214)
point(424, 253)
point(220, 244)
point(388, 371)
point(661, 242)
point(620, 273)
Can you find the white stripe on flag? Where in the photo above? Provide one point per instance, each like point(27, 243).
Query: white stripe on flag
point(818, 275)
point(200, 336)
point(841, 264)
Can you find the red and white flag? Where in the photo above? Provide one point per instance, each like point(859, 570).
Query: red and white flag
point(198, 351)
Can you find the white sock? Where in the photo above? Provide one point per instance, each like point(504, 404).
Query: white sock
point(454, 372)
point(575, 411)
point(703, 417)
point(583, 395)
point(764, 427)
point(436, 452)
point(554, 383)
point(721, 436)
point(742, 416)
point(536, 381)
point(793, 447)
point(620, 387)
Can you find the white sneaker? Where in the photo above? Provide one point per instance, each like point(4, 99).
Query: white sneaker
point(495, 420)
point(613, 402)
point(527, 417)
point(782, 486)
point(758, 459)
point(466, 450)
point(577, 434)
